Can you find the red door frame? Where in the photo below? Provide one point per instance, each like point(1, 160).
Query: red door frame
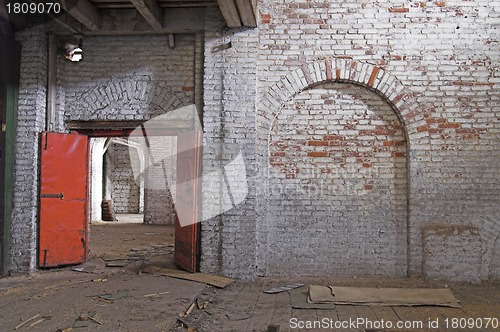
point(188, 238)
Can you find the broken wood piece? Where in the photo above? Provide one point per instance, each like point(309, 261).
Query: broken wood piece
point(188, 311)
point(95, 320)
point(86, 268)
point(237, 317)
point(26, 321)
point(156, 294)
point(117, 264)
point(37, 322)
point(67, 329)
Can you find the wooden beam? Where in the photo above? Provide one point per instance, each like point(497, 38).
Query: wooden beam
point(230, 13)
point(85, 12)
point(150, 10)
point(246, 12)
point(65, 21)
point(131, 22)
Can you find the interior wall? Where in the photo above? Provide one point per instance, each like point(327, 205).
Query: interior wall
point(160, 180)
point(30, 122)
point(337, 185)
point(124, 190)
point(120, 78)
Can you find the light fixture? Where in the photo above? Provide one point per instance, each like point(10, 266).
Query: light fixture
point(72, 52)
point(71, 47)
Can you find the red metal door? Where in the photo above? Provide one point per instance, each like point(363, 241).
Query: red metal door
point(187, 225)
point(63, 199)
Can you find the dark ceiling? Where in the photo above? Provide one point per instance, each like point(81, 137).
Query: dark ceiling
point(111, 17)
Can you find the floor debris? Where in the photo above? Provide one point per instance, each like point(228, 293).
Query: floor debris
point(156, 294)
point(86, 268)
point(382, 296)
point(120, 263)
point(282, 288)
point(114, 296)
point(237, 317)
point(298, 300)
point(85, 320)
point(209, 279)
point(26, 322)
point(188, 311)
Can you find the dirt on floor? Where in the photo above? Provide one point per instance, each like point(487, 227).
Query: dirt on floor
point(112, 293)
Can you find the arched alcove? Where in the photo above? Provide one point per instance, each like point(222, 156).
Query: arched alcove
point(337, 185)
point(395, 99)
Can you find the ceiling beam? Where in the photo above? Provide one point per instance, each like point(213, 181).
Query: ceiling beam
point(246, 13)
point(84, 12)
point(150, 10)
point(131, 22)
point(230, 13)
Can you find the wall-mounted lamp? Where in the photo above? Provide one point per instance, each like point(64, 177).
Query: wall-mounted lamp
point(72, 52)
point(71, 47)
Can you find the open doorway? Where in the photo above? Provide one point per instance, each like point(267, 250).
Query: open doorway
point(62, 188)
point(130, 220)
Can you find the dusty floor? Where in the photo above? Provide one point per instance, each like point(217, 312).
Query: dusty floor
point(140, 301)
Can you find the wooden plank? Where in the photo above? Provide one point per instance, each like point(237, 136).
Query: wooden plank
point(230, 13)
point(263, 313)
point(246, 12)
point(214, 280)
point(385, 313)
point(150, 10)
point(282, 311)
point(84, 12)
point(346, 313)
point(411, 316)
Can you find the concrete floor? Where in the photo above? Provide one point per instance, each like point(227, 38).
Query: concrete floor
point(153, 303)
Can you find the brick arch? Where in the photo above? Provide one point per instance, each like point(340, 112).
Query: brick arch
point(331, 70)
point(373, 77)
point(140, 93)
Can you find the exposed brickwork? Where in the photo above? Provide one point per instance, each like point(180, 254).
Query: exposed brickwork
point(128, 78)
point(160, 178)
point(337, 186)
point(434, 63)
point(119, 78)
point(30, 121)
point(453, 249)
point(229, 241)
point(125, 192)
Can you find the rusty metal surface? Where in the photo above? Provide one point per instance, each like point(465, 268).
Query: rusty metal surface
point(63, 199)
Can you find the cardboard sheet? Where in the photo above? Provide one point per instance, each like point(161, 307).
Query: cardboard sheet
point(209, 279)
point(298, 300)
point(382, 296)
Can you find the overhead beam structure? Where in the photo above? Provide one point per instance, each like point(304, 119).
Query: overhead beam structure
point(84, 12)
point(151, 11)
point(238, 13)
